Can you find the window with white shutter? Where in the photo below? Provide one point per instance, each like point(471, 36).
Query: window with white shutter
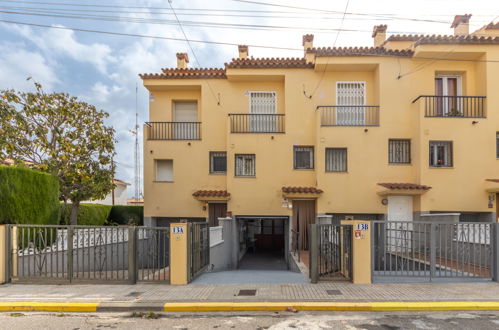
point(336, 159)
point(164, 170)
point(245, 165)
point(262, 109)
point(351, 101)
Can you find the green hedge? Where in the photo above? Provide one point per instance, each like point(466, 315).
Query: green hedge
point(127, 215)
point(28, 196)
point(88, 214)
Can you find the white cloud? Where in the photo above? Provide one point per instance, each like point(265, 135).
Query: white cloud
point(17, 64)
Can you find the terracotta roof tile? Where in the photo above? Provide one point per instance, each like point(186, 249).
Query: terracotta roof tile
point(359, 51)
point(492, 26)
point(211, 193)
point(492, 180)
point(451, 39)
point(405, 37)
point(301, 190)
point(268, 63)
point(414, 186)
point(191, 73)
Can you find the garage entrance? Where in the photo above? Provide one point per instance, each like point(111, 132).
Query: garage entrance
point(262, 243)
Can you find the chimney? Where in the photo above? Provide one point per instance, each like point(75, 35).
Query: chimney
point(243, 51)
point(308, 41)
point(182, 60)
point(461, 25)
point(379, 35)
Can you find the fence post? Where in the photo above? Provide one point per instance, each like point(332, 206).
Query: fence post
point(495, 250)
point(4, 253)
point(70, 252)
point(132, 255)
point(314, 253)
point(433, 250)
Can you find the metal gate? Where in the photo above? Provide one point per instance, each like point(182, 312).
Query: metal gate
point(199, 249)
point(431, 251)
point(331, 252)
point(88, 253)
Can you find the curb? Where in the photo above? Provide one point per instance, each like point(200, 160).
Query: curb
point(248, 306)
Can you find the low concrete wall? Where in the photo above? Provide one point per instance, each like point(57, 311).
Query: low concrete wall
point(223, 256)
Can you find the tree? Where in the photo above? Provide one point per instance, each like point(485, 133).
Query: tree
point(60, 135)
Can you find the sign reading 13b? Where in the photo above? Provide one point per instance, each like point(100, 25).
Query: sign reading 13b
point(362, 226)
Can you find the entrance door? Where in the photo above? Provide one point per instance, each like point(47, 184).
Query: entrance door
point(448, 87)
point(262, 110)
point(215, 211)
point(303, 217)
point(350, 99)
point(399, 208)
point(497, 207)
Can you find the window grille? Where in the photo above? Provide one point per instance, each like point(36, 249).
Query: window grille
point(218, 162)
point(336, 159)
point(441, 154)
point(352, 96)
point(303, 157)
point(399, 151)
point(245, 165)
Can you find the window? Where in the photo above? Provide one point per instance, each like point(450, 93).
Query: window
point(399, 151)
point(262, 109)
point(303, 158)
point(351, 100)
point(497, 144)
point(336, 159)
point(185, 117)
point(448, 87)
point(440, 153)
point(218, 162)
point(245, 165)
point(164, 170)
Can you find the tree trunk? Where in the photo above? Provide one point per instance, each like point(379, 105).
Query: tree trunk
point(73, 220)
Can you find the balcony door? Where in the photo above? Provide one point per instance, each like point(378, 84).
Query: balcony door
point(447, 88)
point(185, 117)
point(263, 109)
point(350, 99)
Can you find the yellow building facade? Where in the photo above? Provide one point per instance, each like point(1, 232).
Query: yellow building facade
point(407, 127)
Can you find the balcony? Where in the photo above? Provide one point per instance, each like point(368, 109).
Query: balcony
point(256, 123)
point(173, 130)
point(349, 115)
point(453, 106)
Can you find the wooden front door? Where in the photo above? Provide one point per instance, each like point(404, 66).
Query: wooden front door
point(303, 217)
point(215, 211)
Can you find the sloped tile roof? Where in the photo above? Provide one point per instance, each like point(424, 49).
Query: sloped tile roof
point(492, 26)
point(448, 39)
point(358, 51)
point(268, 63)
point(301, 190)
point(190, 73)
point(414, 186)
point(492, 180)
point(211, 193)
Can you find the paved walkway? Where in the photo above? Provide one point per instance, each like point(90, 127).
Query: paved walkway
point(326, 292)
point(244, 277)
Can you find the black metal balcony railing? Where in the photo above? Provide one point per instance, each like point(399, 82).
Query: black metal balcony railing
point(349, 115)
point(453, 106)
point(173, 130)
point(256, 123)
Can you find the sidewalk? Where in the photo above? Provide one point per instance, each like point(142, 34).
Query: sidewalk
point(322, 296)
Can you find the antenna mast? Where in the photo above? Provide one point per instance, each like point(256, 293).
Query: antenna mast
point(137, 179)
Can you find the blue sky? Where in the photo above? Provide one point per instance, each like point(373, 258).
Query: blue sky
point(102, 69)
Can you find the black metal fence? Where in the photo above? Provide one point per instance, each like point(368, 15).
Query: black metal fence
point(454, 106)
point(349, 115)
point(330, 252)
point(199, 248)
point(173, 130)
point(257, 123)
point(88, 253)
point(432, 251)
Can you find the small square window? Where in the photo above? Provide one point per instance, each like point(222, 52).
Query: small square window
point(441, 154)
point(336, 159)
point(218, 162)
point(399, 151)
point(164, 170)
point(303, 158)
point(245, 165)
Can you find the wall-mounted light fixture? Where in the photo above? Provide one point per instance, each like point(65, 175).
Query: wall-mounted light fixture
point(384, 201)
point(474, 122)
point(366, 130)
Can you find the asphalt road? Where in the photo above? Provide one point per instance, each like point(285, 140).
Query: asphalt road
point(254, 320)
